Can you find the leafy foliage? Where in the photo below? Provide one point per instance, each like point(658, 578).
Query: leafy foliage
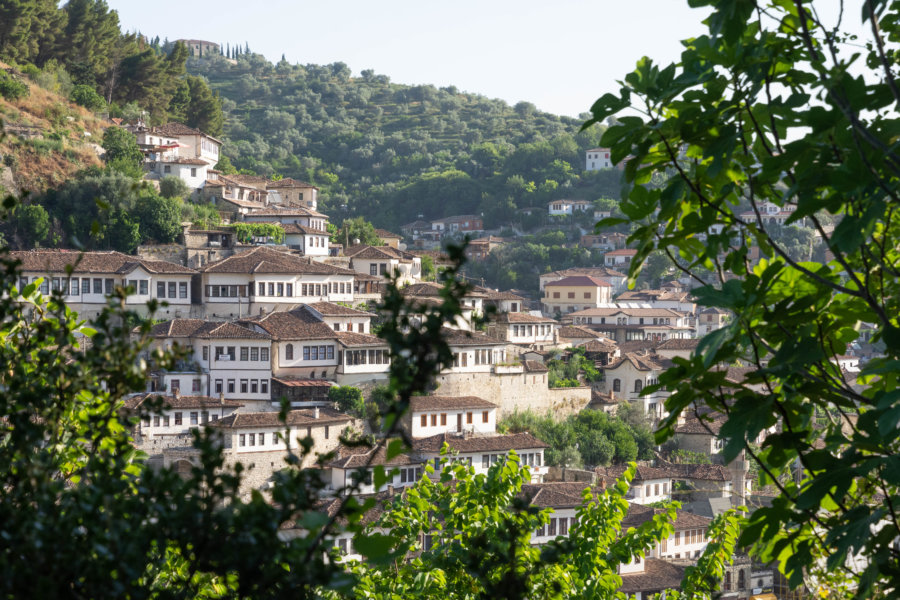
point(246, 232)
point(86, 96)
point(12, 89)
point(348, 399)
point(763, 112)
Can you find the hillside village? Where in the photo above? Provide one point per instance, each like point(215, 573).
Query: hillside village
point(264, 319)
point(272, 310)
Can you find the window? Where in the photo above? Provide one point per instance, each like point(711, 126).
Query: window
point(469, 418)
point(245, 353)
point(443, 418)
point(587, 295)
point(205, 352)
point(143, 287)
point(677, 538)
point(193, 171)
point(85, 286)
point(254, 354)
point(638, 384)
point(289, 352)
point(244, 385)
point(254, 386)
point(231, 383)
point(563, 526)
point(552, 530)
point(264, 386)
point(326, 432)
point(108, 286)
point(74, 287)
point(539, 532)
point(264, 354)
point(656, 490)
point(242, 440)
point(742, 582)
point(171, 289)
point(484, 417)
point(262, 439)
point(373, 269)
point(617, 385)
point(424, 421)
point(434, 420)
point(195, 418)
point(195, 385)
point(727, 586)
point(156, 420)
point(252, 439)
point(485, 461)
point(571, 294)
point(182, 289)
point(174, 385)
point(556, 294)
point(218, 386)
point(178, 418)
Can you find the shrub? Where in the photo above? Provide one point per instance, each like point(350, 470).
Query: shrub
point(12, 89)
point(87, 96)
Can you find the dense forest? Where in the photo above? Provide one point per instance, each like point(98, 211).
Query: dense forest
point(392, 152)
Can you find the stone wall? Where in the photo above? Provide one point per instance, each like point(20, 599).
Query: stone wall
point(516, 391)
point(173, 253)
point(568, 474)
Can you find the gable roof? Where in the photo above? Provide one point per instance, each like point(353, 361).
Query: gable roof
point(330, 309)
point(679, 344)
point(355, 458)
point(287, 182)
point(456, 337)
point(285, 211)
point(657, 575)
point(622, 252)
point(469, 443)
point(57, 261)
point(263, 259)
point(296, 418)
point(578, 281)
point(641, 362)
point(559, 494)
point(179, 401)
point(423, 403)
point(297, 324)
point(590, 271)
point(385, 234)
point(198, 328)
point(577, 332)
point(520, 317)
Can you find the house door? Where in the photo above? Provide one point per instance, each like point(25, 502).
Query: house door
point(459, 422)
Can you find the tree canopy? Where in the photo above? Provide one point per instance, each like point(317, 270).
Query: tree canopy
point(774, 111)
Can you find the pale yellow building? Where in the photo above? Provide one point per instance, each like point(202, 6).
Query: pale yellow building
point(575, 293)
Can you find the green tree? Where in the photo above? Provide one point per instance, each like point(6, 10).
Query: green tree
point(87, 96)
point(122, 152)
point(33, 223)
point(197, 106)
point(158, 218)
point(354, 229)
point(428, 270)
point(762, 112)
point(171, 186)
point(348, 399)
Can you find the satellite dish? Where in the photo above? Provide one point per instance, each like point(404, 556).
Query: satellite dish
point(355, 241)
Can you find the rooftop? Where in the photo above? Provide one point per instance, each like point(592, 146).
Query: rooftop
point(473, 443)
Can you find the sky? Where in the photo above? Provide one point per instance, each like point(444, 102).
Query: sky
point(560, 55)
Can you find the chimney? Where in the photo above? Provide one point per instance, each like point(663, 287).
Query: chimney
point(316, 412)
point(177, 394)
point(221, 397)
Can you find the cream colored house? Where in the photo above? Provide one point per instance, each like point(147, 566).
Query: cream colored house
point(578, 292)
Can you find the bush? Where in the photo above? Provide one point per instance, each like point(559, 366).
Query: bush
point(173, 187)
point(348, 399)
point(12, 89)
point(86, 96)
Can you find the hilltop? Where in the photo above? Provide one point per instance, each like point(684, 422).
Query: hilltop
point(47, 138)
point(391, 152)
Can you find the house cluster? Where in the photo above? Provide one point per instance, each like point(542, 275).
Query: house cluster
point(428, 234)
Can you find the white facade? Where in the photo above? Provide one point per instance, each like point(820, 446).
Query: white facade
point(433, 421)
point(597, 158)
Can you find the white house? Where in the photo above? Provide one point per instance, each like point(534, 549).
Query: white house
point(473, 351)
point(563, 499)
point(264, 279)
point(597, 158)
point(649, 485)
point(95, 275)
point(432, 415)
point(225, 360)
point(614, 278)
point(568, 207)
point(524, 329)
point(631, 373)
point(385, 261)
point(482, 451)
point(178, 414)
point(357, 465)
point(341, 318)
point(632, 324)
point(247, 436)
point(619, 258)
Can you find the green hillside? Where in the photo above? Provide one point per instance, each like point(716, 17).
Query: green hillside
point(391, 152)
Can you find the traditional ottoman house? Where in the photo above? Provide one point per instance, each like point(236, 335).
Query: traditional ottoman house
point(483, 451)
point(358, 465)
point(433, 415)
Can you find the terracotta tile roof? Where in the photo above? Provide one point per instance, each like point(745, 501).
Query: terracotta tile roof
point(497, 295)
point(295, 418)
point(578, 281)
point(56, 261)
point(355, 458)
point(298, 324)
point(658, 575)
point(297, 228)
point(642, 472)
point(638, 513)
point(183, 161)
point(428, 403)
point(642, 362)
point(267, 260)
point(554, 495)
point(692, 425)
point(385, 234)
point(287, 182)
point(679, 344)
point(630, 312)
point(591, 271)
point(455, 337)
point(638, 346)
point(520, 317)
point(428, 289)
point(374, 252)
point(576, 332)
point(330, 309)
point(331, 506)
point(198, 328)
point(533, 366)
point(600, 346)
point(468, 443)
point(622, 252)
point(174, 129)
point(285, 211)
point(350, 339)
point(185, 402)
point(699, 472)
point(242, 203)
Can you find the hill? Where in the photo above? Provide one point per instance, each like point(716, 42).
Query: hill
point(391, 152)
point(47, 138)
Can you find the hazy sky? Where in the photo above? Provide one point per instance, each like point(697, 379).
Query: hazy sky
point(560, 55)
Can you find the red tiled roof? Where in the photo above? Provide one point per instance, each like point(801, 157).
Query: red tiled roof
point(57, 261)
point(423, 403)
point(579, 281)
point(467, 443)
